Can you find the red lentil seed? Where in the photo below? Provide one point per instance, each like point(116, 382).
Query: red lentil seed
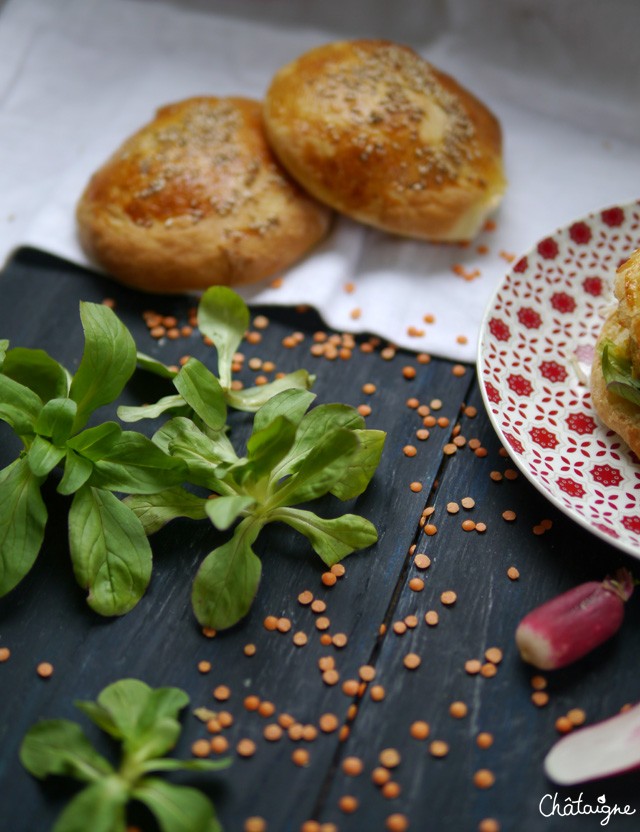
point(208, 632)
point(431, 618)
point(409, 372)
point(563, 725)
point(467, 502)
point(443, 422)
point(488, 670)
point(364, 409)
point(416, 584)
point(367, 673)
point(225, 719)
point(389, 757)
point(493, 654)
point(350, 687)
point(448, 597)
point(331, 677)
point(512, 573)
point(272, 732)
point(295, 731)
point(339, 640)
point(325, 639)
point(496, 476)
point(322, 623)
point(484, 740)
point(300, 757)
point(286, 721)
point(377, 693)
point(328, 723)
point(484, 779)
point(251, 702)
point(270, 622)
point(419, 729)
point(5, 654)
point(255, 824)
point(410, 450)
point(380, 775)
point(328, 579)
point(201, 748)
point(489, 825)
point(300, 638)
point(204, 666)
point(326, 663)
point(449, 449)
point(438, 748)
point(430, 529)
point(283, 625)
point(512, 474)
point(473, 666)
point(310, 826)
point(399, 628)
point(509, 516)
point(318, 605)
point(305, 598)
point(458, 710)
point(339, 570)
point(266, 708)
point(221, 693)
point(397, 823)
point(352, 712)
point(538, 682)
point(352, 766)
point(309, 733)
point(412, 661)
point(576, 716)
point(422, 561)
point(411, 621)
point(219, 745)
point(246, 748)
point(391, 790)
point(468, 525)
point(348, 804)
point(481, 527)
point(458, 370)
point(44, 670)
point(540, 698)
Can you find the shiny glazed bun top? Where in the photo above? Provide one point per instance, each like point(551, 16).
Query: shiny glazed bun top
point(376, 132)
point(195, 198)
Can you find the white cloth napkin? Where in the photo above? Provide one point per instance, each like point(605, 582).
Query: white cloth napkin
point(78, 76)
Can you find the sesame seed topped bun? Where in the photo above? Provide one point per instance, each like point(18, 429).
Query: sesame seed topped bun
point(197, 198)
point(373, 130)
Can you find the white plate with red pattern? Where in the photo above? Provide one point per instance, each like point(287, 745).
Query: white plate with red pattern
point(536, 345)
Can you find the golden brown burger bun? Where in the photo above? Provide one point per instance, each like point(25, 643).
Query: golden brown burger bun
point(374, 131)
point(627, 291)
point(196, 198)
point(617, 413)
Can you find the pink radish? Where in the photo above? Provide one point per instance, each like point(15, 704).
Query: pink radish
point(603, 749)
point(570, 626)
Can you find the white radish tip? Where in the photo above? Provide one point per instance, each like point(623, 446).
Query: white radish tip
point(600, 750)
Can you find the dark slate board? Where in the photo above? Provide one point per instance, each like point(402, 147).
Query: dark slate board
point(46, 618)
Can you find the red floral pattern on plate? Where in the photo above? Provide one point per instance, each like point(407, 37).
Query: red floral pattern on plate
point(537, 343)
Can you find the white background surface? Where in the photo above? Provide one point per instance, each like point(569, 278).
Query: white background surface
point(78, 76)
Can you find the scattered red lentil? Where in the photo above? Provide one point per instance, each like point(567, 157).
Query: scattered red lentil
point(431, 618)
point(266, 709)
point(367, 673)
point(430, 529)
point(484, 779)
point(416, 487)
point(509, 515)
point(448, 597)
point(419, 730)
point(488, 670)
point(576, 716)
point(246, 748)
point(255, 824)
point(348, 804)
point(352, 766)
point(409, 372)
point(225, 719)
point(300, 757)
point(493, 654)
point(322, 623)
point(350, 687)
point(397, 823)
point(283, 625)
point(563, 725)
point(438, 748)
point(208, 632)
point(219, 744)
point(204, 666)
point(538, 682)
point(422, 434)
point(338, 569)
point(328, 579)
point(380, 776)
point(489, 825)
point(272, 732)
point(270, 622)
point(473, 666)
point(391, 790)
point(540, 698)
point(201, 748)
point(331, 677)
point(512, 573)
point(389, 757)
point(416, 584)
point(411, 621)
point(44, 670)
point(5, 654)
point(422, 561)
point(221, 693)
point(377, 693)
point(318, 605)
point(468, 525)
point(399, 628)
point(339, 640)
point(328, 723)
point(364, 409)
point(458, 710)
point(300, 638)
point(484, 740)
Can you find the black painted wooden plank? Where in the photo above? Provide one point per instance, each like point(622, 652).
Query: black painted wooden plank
point(46, 619)
point(438, 794)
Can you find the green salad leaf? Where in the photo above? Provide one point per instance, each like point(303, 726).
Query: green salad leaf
point(145, 721)
point(618, 374)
